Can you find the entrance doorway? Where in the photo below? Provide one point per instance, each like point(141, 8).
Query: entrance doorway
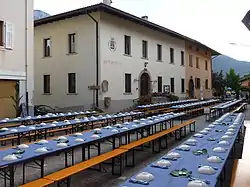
point(144, 84)
point(191, 88)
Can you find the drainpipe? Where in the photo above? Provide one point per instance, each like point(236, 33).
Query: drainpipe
point(26, 58)
point(97, 56)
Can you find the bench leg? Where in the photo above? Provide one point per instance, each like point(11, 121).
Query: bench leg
point(133, 159)
point(117, 161)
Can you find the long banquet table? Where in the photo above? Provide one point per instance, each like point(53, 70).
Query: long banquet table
point(43, 128)
point(166, 104)
point(191, 162)
point(195, 104)
point(111, 134)
point(45, 117)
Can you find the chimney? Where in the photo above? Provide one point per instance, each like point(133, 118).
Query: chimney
point(145, 18)
point(107, 2)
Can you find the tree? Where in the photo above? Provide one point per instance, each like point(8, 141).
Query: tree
point(233, 80)
point(218, 83)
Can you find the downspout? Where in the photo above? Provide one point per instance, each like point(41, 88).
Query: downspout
point(26, 57)
point(97, 56)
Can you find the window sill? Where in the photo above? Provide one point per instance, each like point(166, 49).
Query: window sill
point(171, 63)
point(144, 58)
point(2, 48)
point(72, 93)
point(182, 65)
point(75, 53)
point(159, 61)
point(127, 55)
point(46, 57)
point(47, 94)
point(128, 93)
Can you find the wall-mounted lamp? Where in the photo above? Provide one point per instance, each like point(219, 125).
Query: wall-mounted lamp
point(155, 81)
point(145, 64)
point(136, 80)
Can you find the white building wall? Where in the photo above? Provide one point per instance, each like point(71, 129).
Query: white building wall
point(61, 63)
point(12, 62)
point(114, 64)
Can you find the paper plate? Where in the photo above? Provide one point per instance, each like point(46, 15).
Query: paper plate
point(219, 149)
point(23, 146)
point(61, 145)
point(163, 163)
point(79, 140)
point(41, 150)
point(10, 157)
point(208, 170)
point(43, 141)
point(214, 159)
point(145, 176)
point(197, 183)
point(224, 142)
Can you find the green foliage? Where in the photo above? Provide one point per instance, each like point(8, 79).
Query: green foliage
point(218, 83)
point(16, 100)
point(143, 100)
point(233, 80)
point(173, 97)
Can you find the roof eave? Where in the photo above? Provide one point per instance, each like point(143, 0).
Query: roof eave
point(121, 14)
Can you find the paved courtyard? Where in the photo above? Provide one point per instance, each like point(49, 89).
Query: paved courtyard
point(104, 179)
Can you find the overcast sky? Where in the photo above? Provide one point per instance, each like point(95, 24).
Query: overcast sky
point(215, 23)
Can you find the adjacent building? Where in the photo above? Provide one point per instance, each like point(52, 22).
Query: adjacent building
point(99, 55)
point(198, 71)
point(16, 53)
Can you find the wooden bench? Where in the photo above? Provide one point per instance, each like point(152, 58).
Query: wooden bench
point(240, 172)
point(63, 176)
point(38, 183)
point(158, 136)
point(241, 108)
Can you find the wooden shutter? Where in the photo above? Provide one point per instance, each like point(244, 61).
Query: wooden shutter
point(8, 35)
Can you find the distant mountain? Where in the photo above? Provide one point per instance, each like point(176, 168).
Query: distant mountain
point(225, 63)
point(38, 14)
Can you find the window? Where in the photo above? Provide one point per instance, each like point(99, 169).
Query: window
point(144, 49)
point(72, 43)
point(182, 58)
point(159, 84)
point(172, 85)
point(197, 62)
point(190, 60)
point(197, 83)
point(47, 47)
point(171, 55)
point(71, 83)
point(182, 85)
point(127, 45)
point(46, 84)
point(206, 65)
point(206, 84)
point(6, 34)
point(159, 52)
point(1, 33)
point(127, 83)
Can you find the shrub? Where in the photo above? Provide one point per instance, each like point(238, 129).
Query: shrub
point(143, 100)
point(173, 97)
